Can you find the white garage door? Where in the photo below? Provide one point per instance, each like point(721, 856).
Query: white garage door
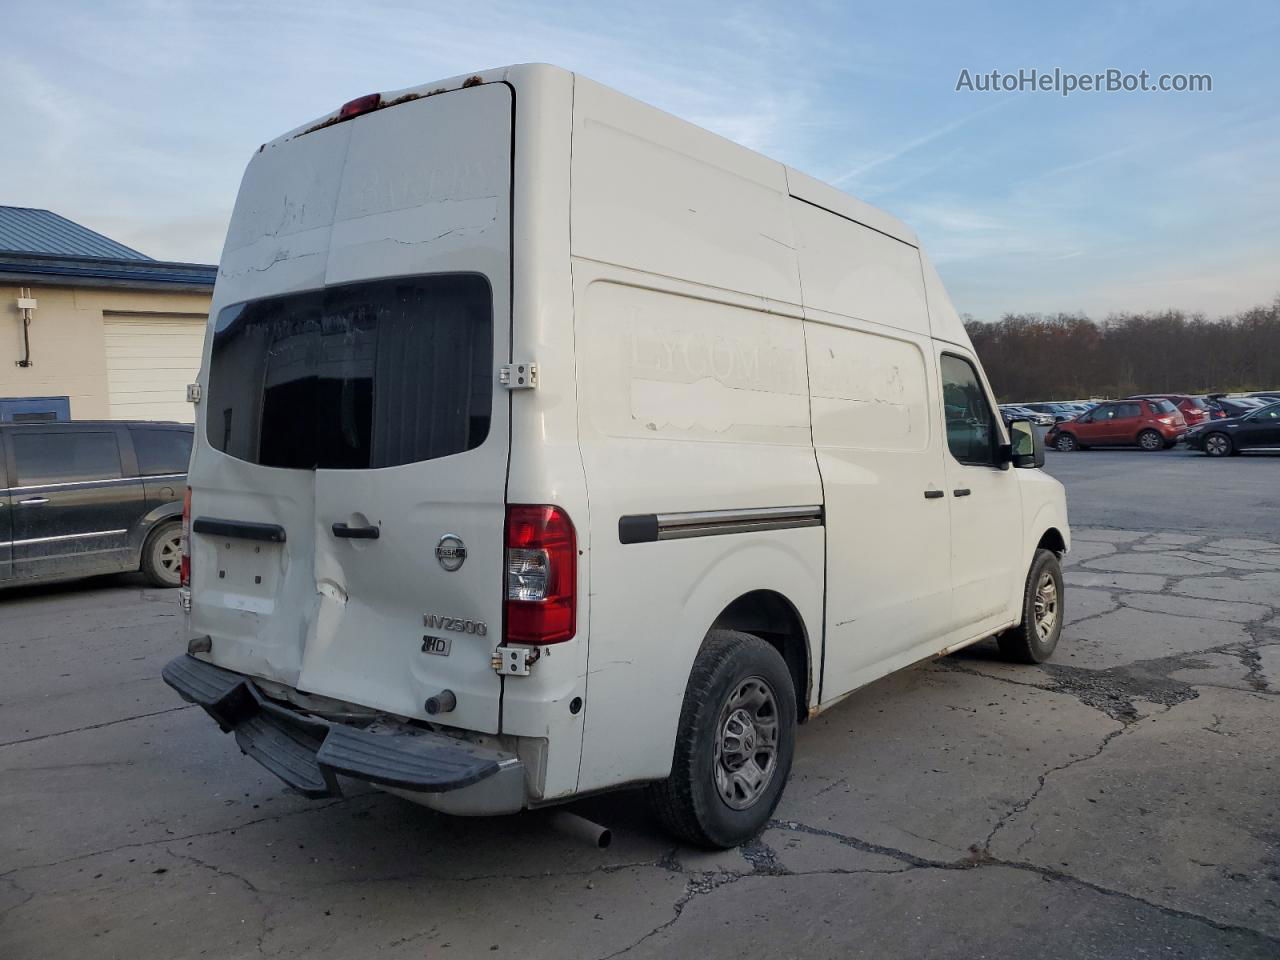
point(150, 361)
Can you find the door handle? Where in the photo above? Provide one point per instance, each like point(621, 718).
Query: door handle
point(961, 492)
point(33, 502)
point(356, 533)
point(934, 494)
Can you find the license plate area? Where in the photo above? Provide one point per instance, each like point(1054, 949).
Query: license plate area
point(245, 574)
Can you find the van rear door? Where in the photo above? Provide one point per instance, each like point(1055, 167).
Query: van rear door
point(371, 425)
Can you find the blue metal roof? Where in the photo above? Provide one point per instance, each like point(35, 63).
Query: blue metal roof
point(25, 230)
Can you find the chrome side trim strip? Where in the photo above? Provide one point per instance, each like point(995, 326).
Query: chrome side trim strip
point(89, 483)
point(69, 536)
point(647, 528)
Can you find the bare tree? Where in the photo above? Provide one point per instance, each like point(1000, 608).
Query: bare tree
point(1068, 356)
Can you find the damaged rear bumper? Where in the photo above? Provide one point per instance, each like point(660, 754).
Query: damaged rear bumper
point(310, 753)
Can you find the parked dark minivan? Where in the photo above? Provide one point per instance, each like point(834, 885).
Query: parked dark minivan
point(80, 498)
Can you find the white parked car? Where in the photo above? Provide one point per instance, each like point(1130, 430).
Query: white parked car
point(549, 444)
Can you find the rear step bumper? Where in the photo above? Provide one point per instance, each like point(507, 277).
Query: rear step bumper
point(309, 753)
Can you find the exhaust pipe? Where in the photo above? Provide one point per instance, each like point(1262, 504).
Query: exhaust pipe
point(580, 828)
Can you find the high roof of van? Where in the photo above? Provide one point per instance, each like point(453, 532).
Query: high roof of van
point(801, 185)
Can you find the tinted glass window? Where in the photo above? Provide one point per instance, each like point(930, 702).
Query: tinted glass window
point(1195, 403)
point(65, 457)
point(1164, 406)
point(161, 451)
point(971, 429)
point(355, 377)
point(1123, 411)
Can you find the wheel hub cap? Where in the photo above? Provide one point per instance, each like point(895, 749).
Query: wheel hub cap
point(1046, 606)
point(171, 554)
point(746, 743)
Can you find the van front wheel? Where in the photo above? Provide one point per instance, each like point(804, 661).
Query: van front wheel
point(734, 744)
point(1033, 640)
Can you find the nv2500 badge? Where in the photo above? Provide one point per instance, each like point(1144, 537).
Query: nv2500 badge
point(433, 622)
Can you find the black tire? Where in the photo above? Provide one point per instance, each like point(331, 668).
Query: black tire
point(1066, 442)
point(159, 560)
point(1218, 444)
point(1150, 440)
point(689, 802)
point(1023, 643)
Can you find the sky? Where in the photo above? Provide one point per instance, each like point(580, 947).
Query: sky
point(137, 119)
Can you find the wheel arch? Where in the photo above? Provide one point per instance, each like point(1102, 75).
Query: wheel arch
point(1052, 539)
point(774, 618)
point(146, 525)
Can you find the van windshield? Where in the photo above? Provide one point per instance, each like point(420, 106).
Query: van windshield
point(360, 376)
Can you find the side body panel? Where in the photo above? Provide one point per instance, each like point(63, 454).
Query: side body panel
point(692, 397)
point(879, 449)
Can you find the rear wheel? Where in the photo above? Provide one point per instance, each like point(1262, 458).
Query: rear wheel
point(734, 744)
point(1218, 445)
point(1066, 443)
point(1034, 639)
point(1150, 440)
point(162, 555)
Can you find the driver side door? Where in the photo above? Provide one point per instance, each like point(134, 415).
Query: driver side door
point(1260, 429)
point(1090, 428)
point(986, 501)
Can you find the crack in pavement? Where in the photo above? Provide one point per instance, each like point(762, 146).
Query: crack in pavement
point(697, 886)
point(160, 841)
point(258, 895)
point(1042, 778)
point(97, 726)
point(979, 859)
point(1251, 660)
point(27, 895)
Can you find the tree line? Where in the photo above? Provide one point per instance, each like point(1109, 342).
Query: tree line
point(1067, 356)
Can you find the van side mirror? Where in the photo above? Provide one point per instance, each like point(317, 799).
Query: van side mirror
point(1027, 446)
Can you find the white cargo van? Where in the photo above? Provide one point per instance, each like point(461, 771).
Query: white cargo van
point(548, 444)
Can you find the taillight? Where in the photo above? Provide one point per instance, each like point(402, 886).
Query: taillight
point(542, 575)
point(185, 564)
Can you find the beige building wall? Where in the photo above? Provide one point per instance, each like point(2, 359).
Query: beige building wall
point(68, 348)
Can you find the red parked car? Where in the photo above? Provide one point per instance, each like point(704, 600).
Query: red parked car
point(1149, 424)
point(1194, 410)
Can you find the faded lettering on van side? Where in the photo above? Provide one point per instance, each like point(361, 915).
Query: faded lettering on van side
point(695, 368)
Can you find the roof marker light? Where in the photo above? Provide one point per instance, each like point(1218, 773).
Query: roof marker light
point(354, 108)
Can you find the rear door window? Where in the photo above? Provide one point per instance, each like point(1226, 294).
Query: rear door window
point(69, 457)
point(1164, 407)
point(161, 452)
point(365, 375)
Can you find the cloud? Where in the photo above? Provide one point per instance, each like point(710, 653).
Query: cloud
point(915, 144)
